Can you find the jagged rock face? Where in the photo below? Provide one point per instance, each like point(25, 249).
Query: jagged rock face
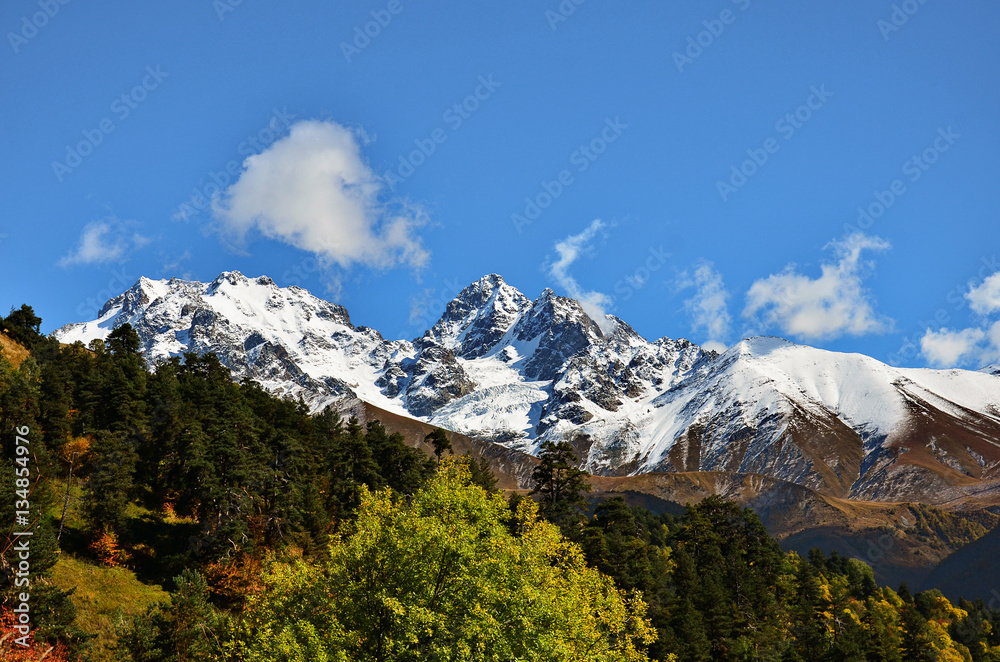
point(499, 366)
point(436, 379)
point(479, 317)
point(279, 337)
point(561, 330)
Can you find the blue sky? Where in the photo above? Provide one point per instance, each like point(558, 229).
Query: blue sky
point(695, 168)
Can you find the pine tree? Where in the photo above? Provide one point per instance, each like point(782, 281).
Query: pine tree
point(404, 469)
point(110, 483)
point(23, 326)
point(560, 485)
point(481, 473)
point(186, 629)
point(439, 440)
point(350, 465)
point(915, 644)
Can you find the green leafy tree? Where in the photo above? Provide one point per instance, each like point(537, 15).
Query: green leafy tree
point(441, 577)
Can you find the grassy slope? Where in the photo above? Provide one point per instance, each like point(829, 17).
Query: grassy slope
point(100, 593)
point(12, 351)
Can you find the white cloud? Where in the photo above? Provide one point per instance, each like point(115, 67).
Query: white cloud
point(945, 348)
point(985, 299)
point(826, 307)
point(972, 347)
point(709, 307)
point(313, 190)
point(993, 353)
point(569, 249)
point(107, 240)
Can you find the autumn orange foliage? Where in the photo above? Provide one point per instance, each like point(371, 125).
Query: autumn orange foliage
point(11, 639)
point(105, 547)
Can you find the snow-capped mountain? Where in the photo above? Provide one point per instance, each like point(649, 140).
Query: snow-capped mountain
point(285, 338)
point(502, 367)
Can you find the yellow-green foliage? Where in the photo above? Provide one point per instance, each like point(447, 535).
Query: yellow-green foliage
point(12, 351)
point(441, 576)
point(100, 592)
point(949, 528)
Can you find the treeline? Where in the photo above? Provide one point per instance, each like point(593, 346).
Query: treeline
point(306, 537)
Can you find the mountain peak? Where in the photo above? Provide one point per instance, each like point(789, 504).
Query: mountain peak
point(491, 280)
point(759, 346)
point(475, 320)
point(228, 277)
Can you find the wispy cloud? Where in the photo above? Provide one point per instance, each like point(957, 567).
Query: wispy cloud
point(569, 249)
point(709, 306)
point(829, 306)
point(107, 240)
point(313, 190)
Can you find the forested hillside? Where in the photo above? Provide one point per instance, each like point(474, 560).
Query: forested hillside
point(281, 535)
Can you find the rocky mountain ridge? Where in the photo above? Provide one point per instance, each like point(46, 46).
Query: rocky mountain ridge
point(504, 368)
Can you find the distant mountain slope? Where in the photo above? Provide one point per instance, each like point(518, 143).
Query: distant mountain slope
point(502, 367)
point(971, 571)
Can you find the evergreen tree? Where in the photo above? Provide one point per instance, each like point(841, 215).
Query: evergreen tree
point(110, 483)
point(915, 644)
point(560, 485)
point(440, 441)
point(404, 469)
point(881, 623)
point(186, 629)
point(23, 326)
point(481, 473)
